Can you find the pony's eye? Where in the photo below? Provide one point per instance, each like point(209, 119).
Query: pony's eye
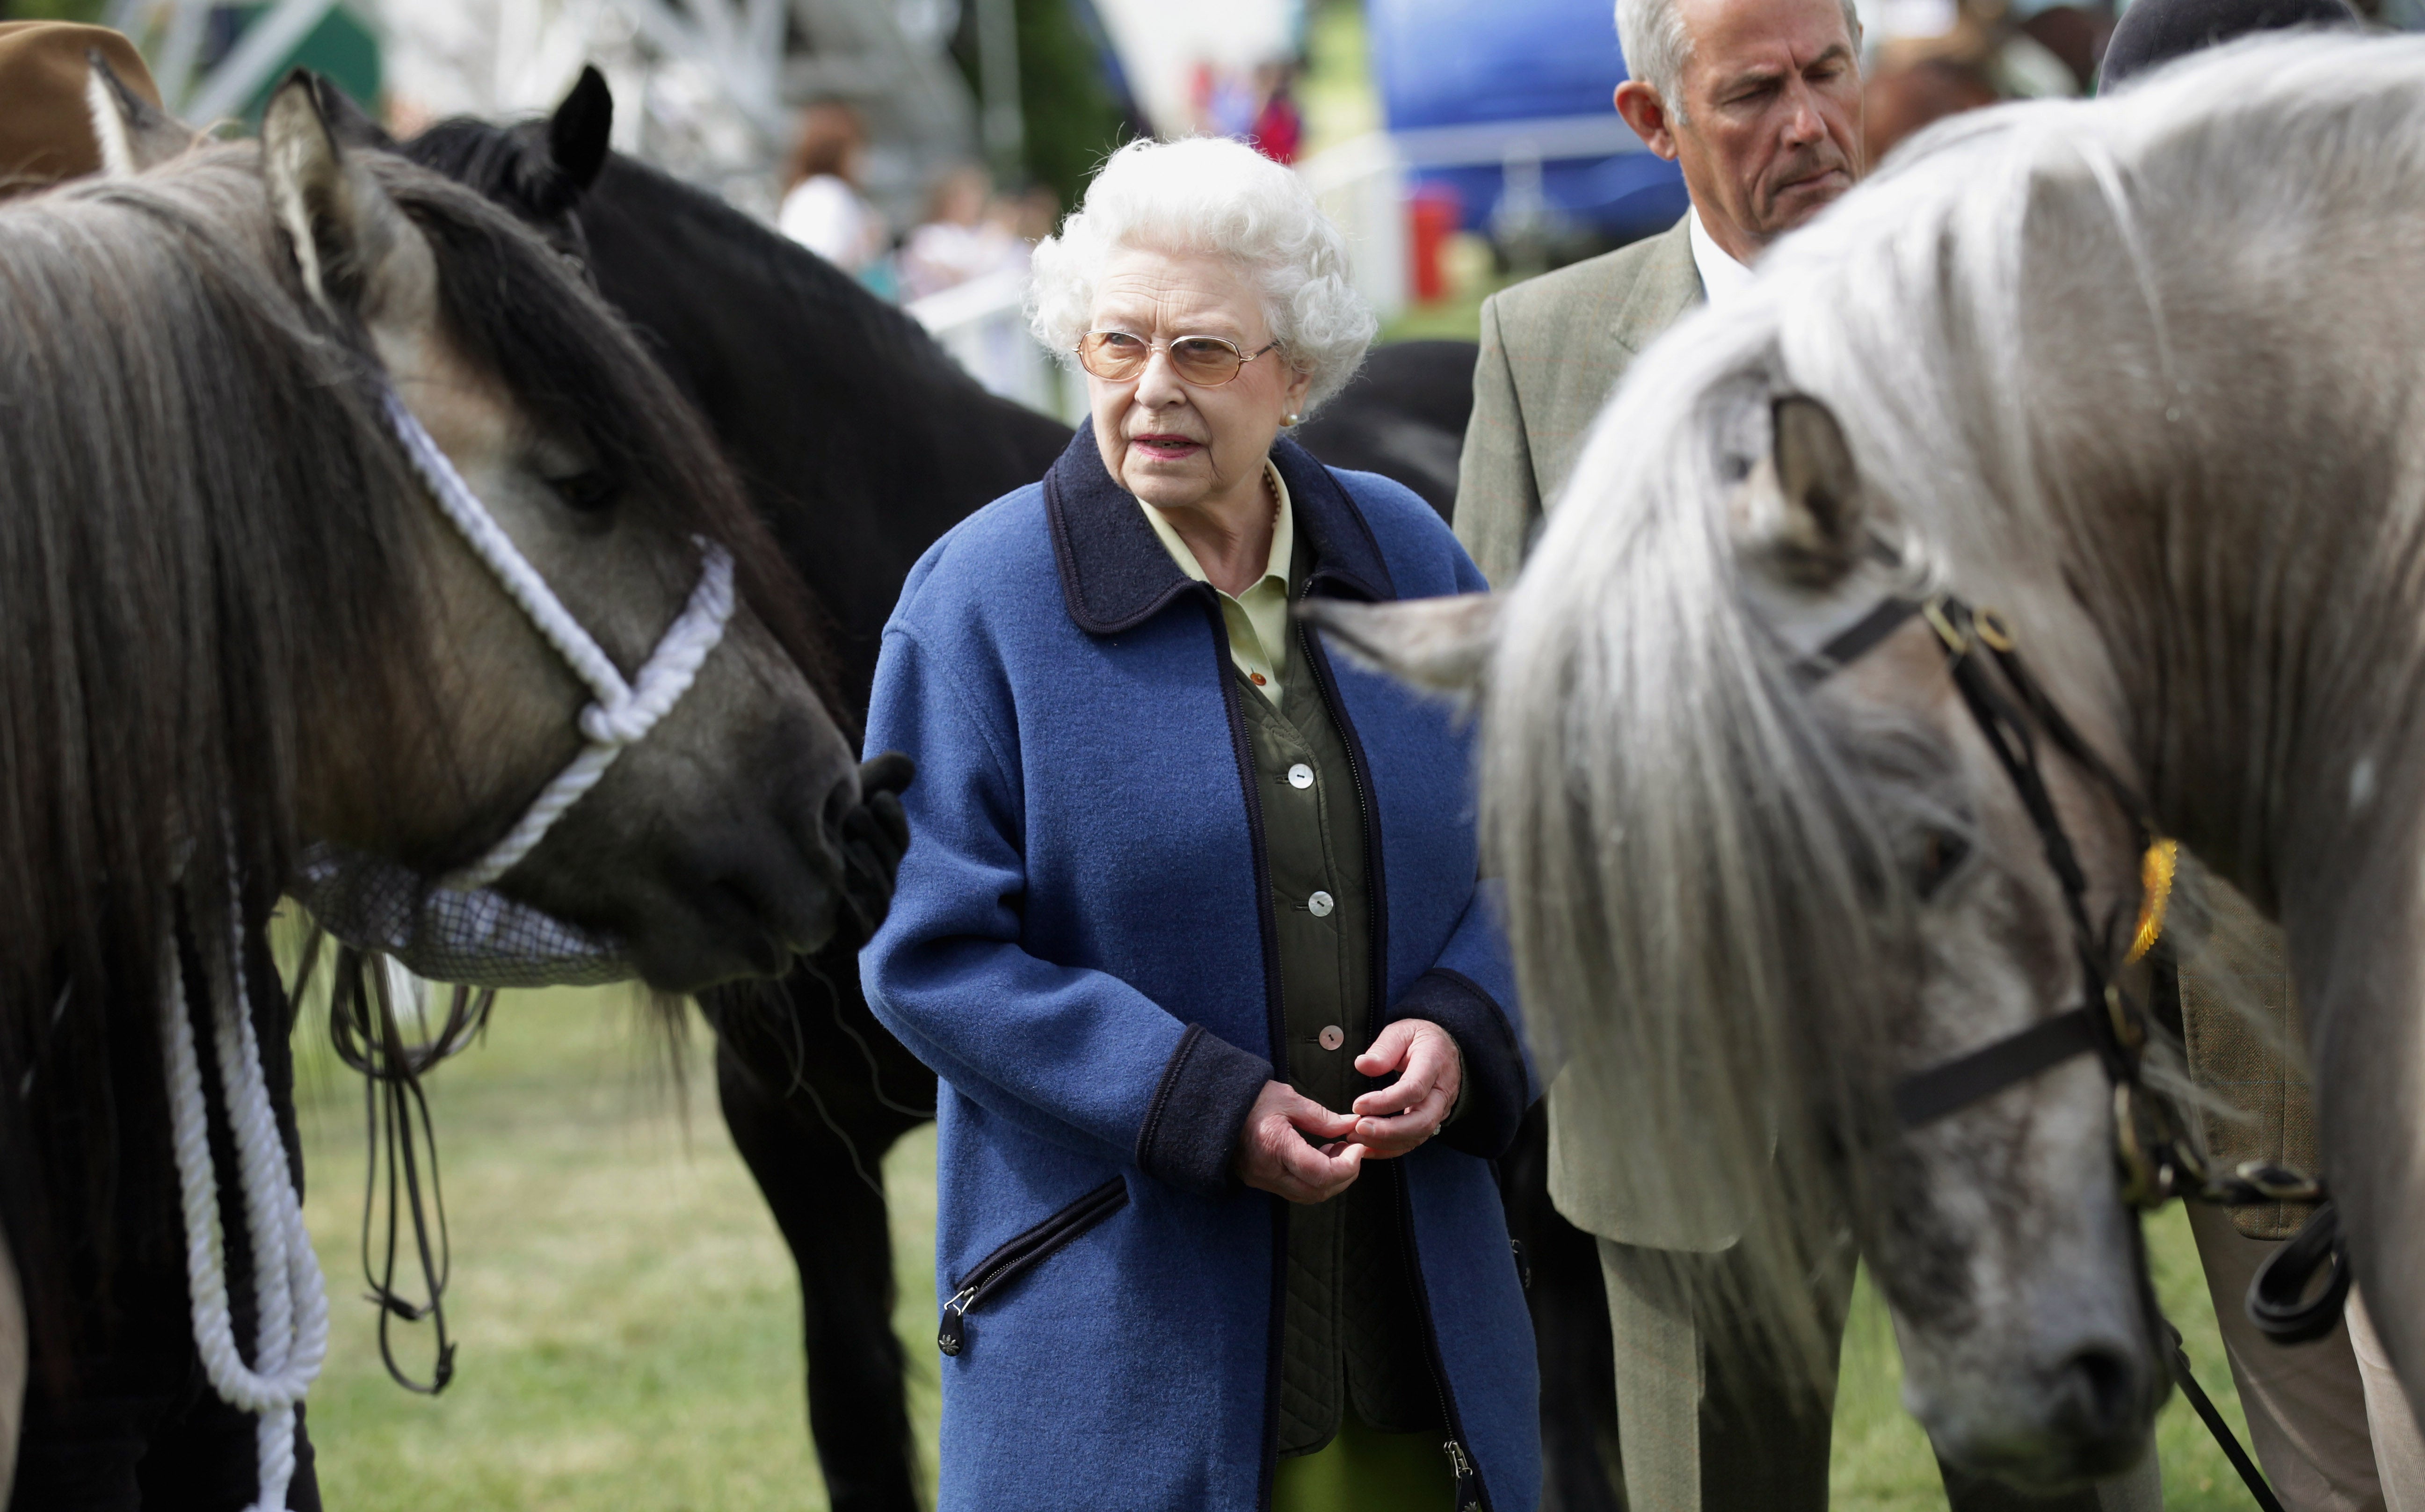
point(588, 492)
point(1940, 854)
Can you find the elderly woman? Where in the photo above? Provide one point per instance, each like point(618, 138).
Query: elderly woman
point(1190, 926)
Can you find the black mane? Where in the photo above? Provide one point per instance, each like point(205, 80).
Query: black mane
point(858, 436)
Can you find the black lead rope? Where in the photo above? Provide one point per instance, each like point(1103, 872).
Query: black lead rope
point(2108, 1024)
point(2212, 1416)
point(2278, 1303)
point(402, 1147)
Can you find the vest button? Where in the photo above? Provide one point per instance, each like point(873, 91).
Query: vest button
point(1321, 903)
point(1332, 1037)
point(1300, 776)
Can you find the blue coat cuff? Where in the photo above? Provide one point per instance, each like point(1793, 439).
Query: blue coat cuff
point(1206, 1088)
point(1496, 1092)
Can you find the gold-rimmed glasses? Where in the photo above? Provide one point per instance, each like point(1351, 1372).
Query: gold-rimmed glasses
point(1205, 361)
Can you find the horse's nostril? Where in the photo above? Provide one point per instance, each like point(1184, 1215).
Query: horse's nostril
point(2099, 1392)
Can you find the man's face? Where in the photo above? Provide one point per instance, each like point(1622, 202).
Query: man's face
point(1771, 131)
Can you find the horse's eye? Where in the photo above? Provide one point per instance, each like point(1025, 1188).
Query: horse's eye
point(588, 492)
point(1940, 855)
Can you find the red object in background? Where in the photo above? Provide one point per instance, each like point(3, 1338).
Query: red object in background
point(1433, 216)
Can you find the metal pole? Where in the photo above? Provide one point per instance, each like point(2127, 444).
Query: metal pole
point(266, 44)
point(1006, 136)
point(175, 74)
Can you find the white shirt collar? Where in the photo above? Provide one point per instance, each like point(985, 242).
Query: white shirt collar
point(1722, 276)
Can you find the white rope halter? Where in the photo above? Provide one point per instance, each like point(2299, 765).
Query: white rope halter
point(624, 711)
point(290, 1298)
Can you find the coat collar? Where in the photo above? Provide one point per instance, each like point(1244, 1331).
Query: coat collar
point(1115, 574)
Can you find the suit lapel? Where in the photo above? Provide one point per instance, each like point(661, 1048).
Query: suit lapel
point(1669, 285)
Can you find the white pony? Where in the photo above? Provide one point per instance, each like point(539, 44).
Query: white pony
point(2147, 375)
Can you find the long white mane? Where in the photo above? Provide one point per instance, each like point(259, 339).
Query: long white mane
point(2053, 333)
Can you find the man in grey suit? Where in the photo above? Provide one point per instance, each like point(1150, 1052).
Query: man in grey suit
point(1759, 102)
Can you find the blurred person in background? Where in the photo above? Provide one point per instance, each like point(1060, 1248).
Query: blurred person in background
point(966, 235)
point(1279, 131)
point(1901, 96)
point(1759, 102)
point(1191, 931)
point(823, 209)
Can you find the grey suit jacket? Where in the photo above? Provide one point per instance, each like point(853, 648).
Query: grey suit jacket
point(1553, 350)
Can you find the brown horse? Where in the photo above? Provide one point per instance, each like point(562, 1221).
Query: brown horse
point(238, 627)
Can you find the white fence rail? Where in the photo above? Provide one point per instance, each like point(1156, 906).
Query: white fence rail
point(1361, 183)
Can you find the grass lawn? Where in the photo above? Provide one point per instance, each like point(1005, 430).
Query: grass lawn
point(628, 1319)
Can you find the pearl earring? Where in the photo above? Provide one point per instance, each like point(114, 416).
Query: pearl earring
point(1292, 418)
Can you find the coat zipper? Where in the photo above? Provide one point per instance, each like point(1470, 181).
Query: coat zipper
point(1468, 1480)
point(1022, 1250)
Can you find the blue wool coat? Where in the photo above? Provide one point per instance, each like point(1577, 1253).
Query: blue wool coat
point(1081, 945)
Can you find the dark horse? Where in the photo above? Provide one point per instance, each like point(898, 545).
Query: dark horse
point(238, 627)
point(861, 441)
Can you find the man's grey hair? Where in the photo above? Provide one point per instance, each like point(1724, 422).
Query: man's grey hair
point(1211, 195)
point(1651, 35)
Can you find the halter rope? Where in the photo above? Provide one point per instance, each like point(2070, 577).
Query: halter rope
point(625, 712)
point(290, 1297)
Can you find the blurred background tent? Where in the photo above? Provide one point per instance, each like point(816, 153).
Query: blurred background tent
point(1512, 122)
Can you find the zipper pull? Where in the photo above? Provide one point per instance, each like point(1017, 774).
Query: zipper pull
point(954, 1332)
point(1468, 1486)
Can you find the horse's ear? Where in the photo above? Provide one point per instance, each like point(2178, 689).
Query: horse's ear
point(347, 121)
point(1813, 526)
point(579, 132)
point(134, 133)
point(359, 256)
point(1437, 646)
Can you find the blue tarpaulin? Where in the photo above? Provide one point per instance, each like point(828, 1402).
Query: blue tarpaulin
point(1466, 84)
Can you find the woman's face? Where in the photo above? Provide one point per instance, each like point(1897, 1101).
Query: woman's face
point(1171, 443)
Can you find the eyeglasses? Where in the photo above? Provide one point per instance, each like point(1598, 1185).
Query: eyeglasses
point(1205, 361)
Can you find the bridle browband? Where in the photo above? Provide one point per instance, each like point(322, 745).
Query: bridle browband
point(2011, 709)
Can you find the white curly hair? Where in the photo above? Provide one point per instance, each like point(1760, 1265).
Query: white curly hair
point(1209, 194)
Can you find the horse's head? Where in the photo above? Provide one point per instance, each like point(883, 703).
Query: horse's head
point(538, 169)
point(1753, 891)
point(712, 847)
point(1994, 1229)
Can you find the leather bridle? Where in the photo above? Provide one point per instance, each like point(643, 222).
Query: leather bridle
point(2011, 710)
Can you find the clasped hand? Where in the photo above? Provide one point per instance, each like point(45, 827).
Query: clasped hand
point(1295, 1147)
